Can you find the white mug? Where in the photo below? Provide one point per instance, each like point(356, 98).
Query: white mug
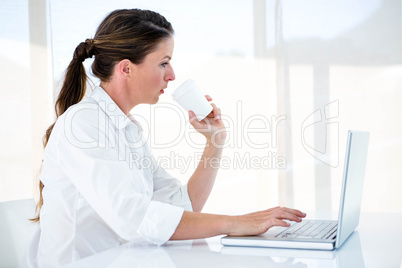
point(190, 98)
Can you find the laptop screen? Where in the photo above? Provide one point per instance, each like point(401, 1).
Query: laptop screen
point(352, 186)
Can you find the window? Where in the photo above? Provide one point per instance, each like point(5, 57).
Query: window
point(290, 77)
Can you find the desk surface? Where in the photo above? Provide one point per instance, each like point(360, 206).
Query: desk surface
point(377, 242)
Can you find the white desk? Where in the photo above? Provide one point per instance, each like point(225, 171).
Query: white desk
point(377, 242)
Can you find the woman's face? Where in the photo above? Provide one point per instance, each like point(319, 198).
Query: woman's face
point(151, 77)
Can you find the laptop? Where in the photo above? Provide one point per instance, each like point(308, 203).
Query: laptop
point(322, 234)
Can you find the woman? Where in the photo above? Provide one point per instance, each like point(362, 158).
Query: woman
point(95, 189)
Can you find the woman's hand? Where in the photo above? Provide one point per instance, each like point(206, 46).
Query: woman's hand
point(259, 222)
point(201, 225)
point(211, 126)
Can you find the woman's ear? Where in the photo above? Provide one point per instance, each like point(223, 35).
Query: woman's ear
point(124, 69)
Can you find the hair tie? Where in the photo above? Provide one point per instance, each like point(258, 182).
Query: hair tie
point(84, 50)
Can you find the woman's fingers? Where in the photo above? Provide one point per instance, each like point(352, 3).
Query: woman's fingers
point(292, 214)
point(193, 120)
point(289, 216)
point(276, 217)
point(296, 212)
point(265, 226)
point(278, 222)
point(216, 112)
point(212, 127)
point(259, 222)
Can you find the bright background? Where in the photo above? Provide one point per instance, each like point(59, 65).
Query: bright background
point(291, 77)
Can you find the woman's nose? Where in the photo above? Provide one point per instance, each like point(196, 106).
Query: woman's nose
point(170, 75)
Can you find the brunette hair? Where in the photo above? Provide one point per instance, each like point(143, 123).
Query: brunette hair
point(124, 34)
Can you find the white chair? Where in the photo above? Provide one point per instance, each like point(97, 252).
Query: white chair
point(16, 230)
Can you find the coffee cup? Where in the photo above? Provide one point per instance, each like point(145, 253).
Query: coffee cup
point(190, 98)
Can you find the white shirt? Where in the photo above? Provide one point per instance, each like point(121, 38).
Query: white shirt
point(103, 187)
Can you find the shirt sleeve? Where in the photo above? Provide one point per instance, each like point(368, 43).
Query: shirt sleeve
point(108, 184)
point(169, 190)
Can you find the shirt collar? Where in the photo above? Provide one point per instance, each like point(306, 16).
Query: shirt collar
point(115, 114)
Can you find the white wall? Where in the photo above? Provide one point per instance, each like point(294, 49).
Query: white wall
point(345, 55)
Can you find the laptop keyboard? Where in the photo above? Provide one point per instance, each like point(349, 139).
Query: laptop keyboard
point(310, 229)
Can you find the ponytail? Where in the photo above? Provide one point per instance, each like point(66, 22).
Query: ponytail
point(72, 92)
